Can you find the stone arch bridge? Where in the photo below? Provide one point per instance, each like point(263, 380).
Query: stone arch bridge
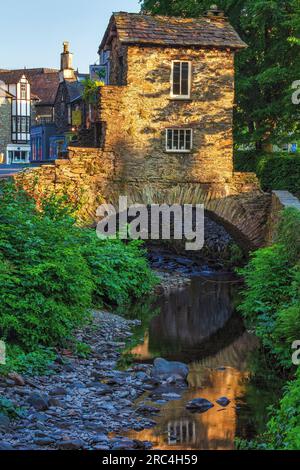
point(90, 178)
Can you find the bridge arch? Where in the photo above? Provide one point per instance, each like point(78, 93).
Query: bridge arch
point(242, 215)
point(238, 204)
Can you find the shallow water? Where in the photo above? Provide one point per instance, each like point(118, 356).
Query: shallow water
point(198, 325)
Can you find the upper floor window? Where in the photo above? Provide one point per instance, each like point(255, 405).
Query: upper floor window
point(179, 140)
point(23, 91)
point(181, 79)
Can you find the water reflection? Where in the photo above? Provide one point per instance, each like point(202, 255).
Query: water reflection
point(197, 325)
point(190, 321)
point(179, 429)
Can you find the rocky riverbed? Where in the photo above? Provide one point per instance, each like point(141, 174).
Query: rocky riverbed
point(83, 401)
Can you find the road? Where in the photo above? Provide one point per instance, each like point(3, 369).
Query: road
point(9, 170)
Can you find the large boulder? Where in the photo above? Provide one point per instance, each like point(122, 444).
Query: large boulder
point(199, 405)
point(164, 370)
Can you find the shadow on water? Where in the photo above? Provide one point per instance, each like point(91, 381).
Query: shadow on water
point(198, 325)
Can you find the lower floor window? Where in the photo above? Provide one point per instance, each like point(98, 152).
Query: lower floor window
point(18, 156)
point(179, 140)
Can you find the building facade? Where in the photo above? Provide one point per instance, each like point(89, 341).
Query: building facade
point(18, 148)
point(50, 137)
point(31, 97)
point(5, 122)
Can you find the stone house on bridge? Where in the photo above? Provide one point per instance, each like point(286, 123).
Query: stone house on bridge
point(167, 110)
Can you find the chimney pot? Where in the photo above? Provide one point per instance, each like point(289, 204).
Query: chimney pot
point(66, 45)
point(66, 63)
point(214, 11)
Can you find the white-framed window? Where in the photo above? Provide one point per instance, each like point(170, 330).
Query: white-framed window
point(179, 140)
point(181, 79)
point(23, 91)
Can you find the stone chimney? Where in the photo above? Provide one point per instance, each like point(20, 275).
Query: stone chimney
point(66, 64)
point(215, 12)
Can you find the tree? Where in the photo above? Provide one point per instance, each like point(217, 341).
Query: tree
point(265, 71)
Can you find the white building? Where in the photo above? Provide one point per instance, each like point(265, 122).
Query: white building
point(18, 86)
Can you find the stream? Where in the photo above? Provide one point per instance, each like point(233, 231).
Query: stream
point(198, 324)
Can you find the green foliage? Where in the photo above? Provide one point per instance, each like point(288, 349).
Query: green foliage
point(268, 281)
point(283, 427)
point(280, 173)
point(275, 171)
point(90, 90)
point(271, 305)
point(82, 349)
point(265, 70)
point(120, 271)
point(52, 272)
point(271, 302)
point(236, 256)
point(289, 234)
point(246, 160)
point(32, 363)
point(9, 409)
point(283, 431)
point(45, 285)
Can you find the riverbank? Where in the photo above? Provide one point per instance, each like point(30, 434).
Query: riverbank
point(83, 400)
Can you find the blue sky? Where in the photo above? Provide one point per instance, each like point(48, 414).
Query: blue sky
point(35, 30)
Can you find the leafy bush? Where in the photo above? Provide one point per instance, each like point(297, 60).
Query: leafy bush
point(30, 363)
point(289, 234)
point(9, 409)
point(246, 160)
point(52, 272)
point(283, 431)
point(275, 171)
point(280, 173)
point(283, 428)
point(271, 304)
point(272, 298)
point(268, 279)
point(120, 271)
point(45, 284)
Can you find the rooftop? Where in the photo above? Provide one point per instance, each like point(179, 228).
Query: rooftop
point(75, 90)
point(135, 28)
point(44, 82)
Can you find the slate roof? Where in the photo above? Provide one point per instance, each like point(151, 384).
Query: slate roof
point(75, 90)
point(5, 93)
point(135, 28)
point(44, 82)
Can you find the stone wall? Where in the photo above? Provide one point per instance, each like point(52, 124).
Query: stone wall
point(89, 178)
point(83, 178)
point(280, 200)
point(135, 116)
point(118, 56)
point(5, 125)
